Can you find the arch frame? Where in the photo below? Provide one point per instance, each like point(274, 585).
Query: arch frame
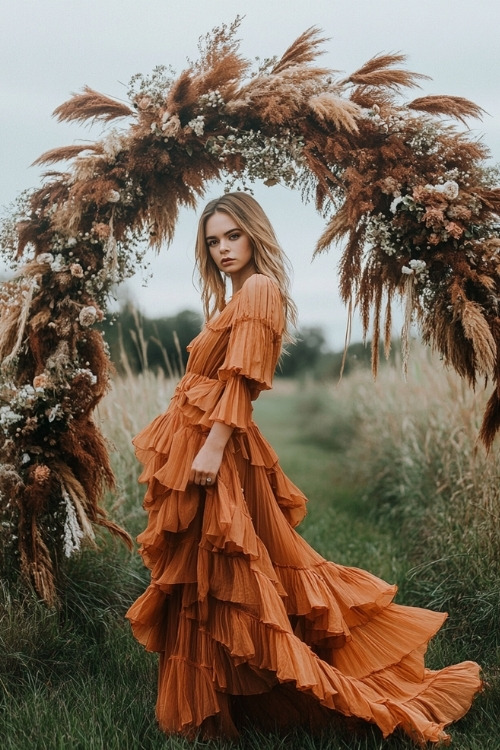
point(408, 194)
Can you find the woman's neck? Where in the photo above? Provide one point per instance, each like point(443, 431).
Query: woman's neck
point(238, 279)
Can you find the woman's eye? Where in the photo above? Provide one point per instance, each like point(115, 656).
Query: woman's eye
point(234, 236)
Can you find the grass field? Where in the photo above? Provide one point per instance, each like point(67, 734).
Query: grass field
point(396, 485)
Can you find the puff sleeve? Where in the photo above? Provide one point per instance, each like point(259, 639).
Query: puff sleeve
point(253, 350)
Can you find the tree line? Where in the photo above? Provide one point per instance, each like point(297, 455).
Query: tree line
point(137, 342)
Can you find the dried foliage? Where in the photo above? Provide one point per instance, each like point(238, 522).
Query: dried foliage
point(452, 106)
point(409, 195)
point(91, 105)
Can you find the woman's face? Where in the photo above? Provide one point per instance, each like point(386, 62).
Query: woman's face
point(230, 248)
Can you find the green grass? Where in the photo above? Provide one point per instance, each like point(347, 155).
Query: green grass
point(75, 678)
point(336, 524)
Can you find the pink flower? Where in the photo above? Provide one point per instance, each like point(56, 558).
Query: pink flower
point(40, 381)
point(390, 186)
point(102, 230)
point(454, 229)
point(434, 217)
point(76, 270)
point(144, 102)
point(420, 193)
point(459, 212)
point(41, 474)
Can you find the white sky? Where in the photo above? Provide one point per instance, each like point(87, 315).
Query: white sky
point(51, 48)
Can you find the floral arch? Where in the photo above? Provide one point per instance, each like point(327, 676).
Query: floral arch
point(409, 194)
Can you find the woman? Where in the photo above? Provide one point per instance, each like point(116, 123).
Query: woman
point(252, 625)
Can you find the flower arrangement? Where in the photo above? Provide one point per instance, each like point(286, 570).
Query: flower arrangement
point(408, 193)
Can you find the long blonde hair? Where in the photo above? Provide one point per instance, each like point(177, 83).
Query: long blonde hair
point(268, 256)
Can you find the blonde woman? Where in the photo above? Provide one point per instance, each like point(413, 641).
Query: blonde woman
point(254, 627)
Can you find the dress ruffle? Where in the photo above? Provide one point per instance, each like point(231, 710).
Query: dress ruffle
point(253, 625)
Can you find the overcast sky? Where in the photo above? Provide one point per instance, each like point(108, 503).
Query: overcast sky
point(51, 48)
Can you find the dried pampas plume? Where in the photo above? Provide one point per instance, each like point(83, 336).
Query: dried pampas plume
point(90, 105)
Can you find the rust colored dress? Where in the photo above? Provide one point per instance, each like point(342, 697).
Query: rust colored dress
point(252, 625)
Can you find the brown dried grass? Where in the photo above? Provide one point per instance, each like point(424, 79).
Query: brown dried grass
point(91, 105)
point(451, 106)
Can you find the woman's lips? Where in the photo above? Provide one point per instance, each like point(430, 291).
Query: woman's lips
point(226, 261)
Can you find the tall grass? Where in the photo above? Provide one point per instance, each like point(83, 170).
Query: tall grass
point(134, 401)
point(411, 449)
point(396, 486)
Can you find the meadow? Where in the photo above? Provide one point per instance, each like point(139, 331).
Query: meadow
point(397, 485)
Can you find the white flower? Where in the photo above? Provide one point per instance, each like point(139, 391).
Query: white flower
point(378, 234)
point(198, 125)
point(213, 98)
point(395, 203)
point(112, 145)
point(26, 458)
point(45, 258)
point(88, 374)
point(449, 190)
point(26, 392)
point(8, 416)
point(418, 266)
point(73, 533)
point(113, 196)
point(88, 316)
point(58, 263)
point(54, 413)
point(71, 242)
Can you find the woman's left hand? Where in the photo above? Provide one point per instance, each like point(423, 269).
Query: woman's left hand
point(207, 461)
point(205, 466)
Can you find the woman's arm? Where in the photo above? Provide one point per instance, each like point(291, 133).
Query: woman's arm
point(208, 459)
point(251, 355)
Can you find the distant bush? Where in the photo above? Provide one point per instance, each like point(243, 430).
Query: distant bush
point(137, 342)
point(305, 354)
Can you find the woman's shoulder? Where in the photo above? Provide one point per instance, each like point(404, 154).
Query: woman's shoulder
point(260, 283)
point(260, 297)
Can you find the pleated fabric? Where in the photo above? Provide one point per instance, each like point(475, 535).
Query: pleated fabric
point(252, 625)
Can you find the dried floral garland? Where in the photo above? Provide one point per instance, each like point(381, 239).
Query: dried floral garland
point(409, 194)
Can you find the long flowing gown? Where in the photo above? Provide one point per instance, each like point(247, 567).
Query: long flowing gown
point(251, 624)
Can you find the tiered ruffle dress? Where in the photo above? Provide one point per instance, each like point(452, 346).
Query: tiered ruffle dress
point(252, 625)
